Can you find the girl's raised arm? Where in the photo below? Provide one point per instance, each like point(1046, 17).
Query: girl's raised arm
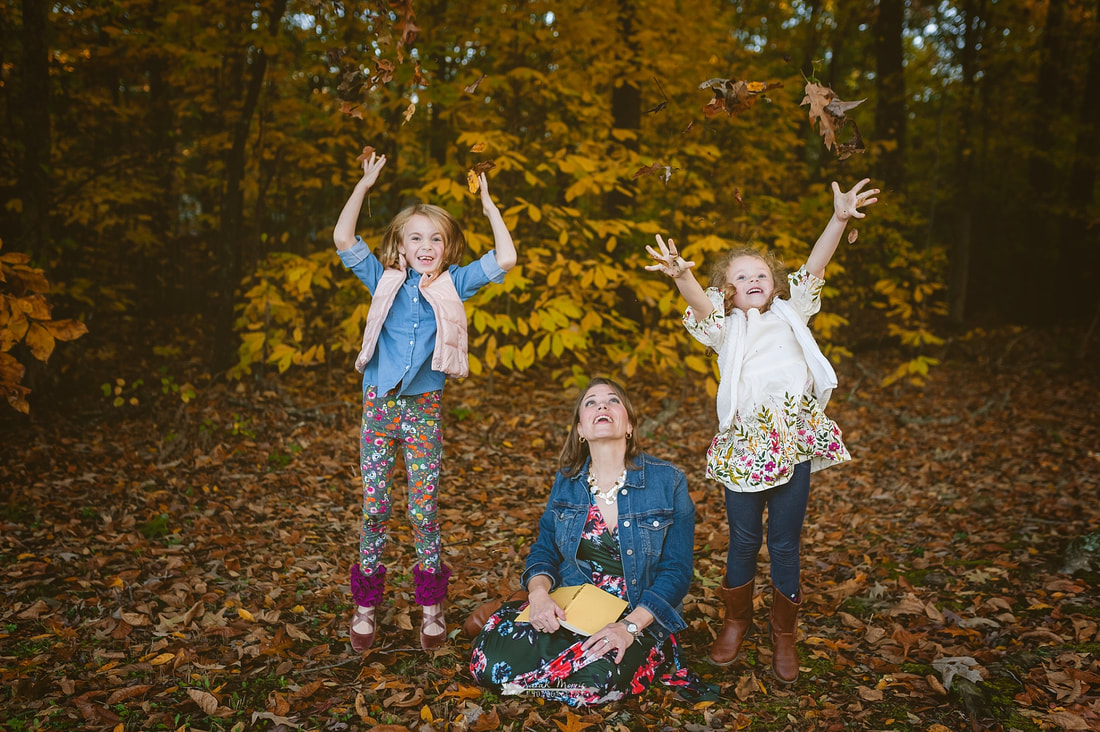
point(845, 206)
point(672, 264)
point(505, 248)
point(344, 232)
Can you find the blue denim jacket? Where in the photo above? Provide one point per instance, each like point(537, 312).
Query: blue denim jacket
point(407, 341)
point(656, 539)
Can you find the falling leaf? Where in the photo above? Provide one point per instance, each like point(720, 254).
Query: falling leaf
point(689, 127)
point(418, 75)
point(740, 201)
point(472, 181)
point(852, 236)
point(409, 111)
point(473, 87)
point(830, 114)
point(664, 172)
point(351, 109)
point(478, 147)
point(367, 151)
point(734, 97)
point(384, 74)
point(483, 167)
point(660, 105)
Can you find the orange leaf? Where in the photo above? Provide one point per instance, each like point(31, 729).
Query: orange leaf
point(39, 341)
point(65, 330)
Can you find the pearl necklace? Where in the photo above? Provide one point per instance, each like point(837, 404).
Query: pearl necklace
point(609, 496)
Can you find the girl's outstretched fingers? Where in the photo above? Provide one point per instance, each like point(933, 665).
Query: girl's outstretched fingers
point(668, 260)
point(848, 203)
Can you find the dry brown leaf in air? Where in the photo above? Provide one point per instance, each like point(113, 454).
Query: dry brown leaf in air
point(662, 171)
point(829, 112)
point(351, 109)
point(853, 235)
point(734, 96)
point(479, 147)
point(385, 72)
point(409, 112)
point(418, 75)
point(367, 152)
point(473, 87)
point(472, 175)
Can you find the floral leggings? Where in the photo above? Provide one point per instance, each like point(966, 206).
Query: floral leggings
point(414, 423)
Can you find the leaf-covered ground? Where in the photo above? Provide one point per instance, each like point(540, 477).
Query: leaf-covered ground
point(171, 565)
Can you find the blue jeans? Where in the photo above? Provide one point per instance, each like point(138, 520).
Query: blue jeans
point(786, 506)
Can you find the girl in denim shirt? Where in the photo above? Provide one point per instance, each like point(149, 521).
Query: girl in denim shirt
point(415, 337)
point(622, 520)
point(772, 427)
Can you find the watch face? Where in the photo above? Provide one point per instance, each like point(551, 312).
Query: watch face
point(632, 628)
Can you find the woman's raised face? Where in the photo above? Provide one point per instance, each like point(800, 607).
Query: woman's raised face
point(603, 415)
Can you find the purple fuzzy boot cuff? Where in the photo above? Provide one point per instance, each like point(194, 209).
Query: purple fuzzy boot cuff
point(431, 587)
point(366, 589)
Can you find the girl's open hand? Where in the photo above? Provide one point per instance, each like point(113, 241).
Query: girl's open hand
point(668, 259)
point(372, 166)
point(847, 204)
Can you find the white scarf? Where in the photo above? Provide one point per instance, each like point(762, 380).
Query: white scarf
point(733, 355)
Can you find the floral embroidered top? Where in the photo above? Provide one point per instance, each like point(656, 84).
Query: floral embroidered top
point(777, 421)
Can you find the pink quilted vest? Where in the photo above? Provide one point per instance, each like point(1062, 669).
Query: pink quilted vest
point(451, 351)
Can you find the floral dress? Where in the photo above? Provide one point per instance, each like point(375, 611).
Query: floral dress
point(778, 422)
point(515, 658)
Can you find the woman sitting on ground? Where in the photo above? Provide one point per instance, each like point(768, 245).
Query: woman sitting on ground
point(619, 519)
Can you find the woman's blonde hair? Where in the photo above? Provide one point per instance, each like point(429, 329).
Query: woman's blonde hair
point(721, 268)
point(575, 452)
point(454, 241)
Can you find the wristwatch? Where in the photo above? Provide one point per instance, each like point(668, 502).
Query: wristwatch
point(632, 628)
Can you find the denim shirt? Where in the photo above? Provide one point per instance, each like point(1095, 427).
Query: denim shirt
point(405, 345)
point(656, 532)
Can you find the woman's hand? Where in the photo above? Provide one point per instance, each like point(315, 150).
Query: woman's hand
point(372, 166)
point(668, 259)
point(847, 203)
point(611, 637)
point(545, 615)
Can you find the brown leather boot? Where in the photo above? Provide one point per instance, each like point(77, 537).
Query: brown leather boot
point(481, 614)
point(784, 631)
point(737, 624)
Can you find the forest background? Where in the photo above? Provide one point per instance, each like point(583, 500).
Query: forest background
point(171, 171)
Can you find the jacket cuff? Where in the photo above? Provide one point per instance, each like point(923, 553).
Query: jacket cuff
point(358, 252)
point(490, 267)
point(666, 616)
point(547, 570)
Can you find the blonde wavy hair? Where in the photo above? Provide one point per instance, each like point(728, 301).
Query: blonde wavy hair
point(454, 241)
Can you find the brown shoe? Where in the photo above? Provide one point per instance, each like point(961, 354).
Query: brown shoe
point(363, 616)
point(784, 632)
point(481, 614)
point(433, 620)
point(477, 619)
point(736, 626)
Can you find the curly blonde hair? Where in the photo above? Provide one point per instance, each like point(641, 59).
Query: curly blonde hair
point(454, 241)
point(720, 269)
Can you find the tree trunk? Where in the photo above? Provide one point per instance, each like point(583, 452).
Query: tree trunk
point(959, 274)
point(232, 206)
point(626, 105)
point(890, 81)
point(1082, 246)
point(34, 186)
point(1045, 223)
